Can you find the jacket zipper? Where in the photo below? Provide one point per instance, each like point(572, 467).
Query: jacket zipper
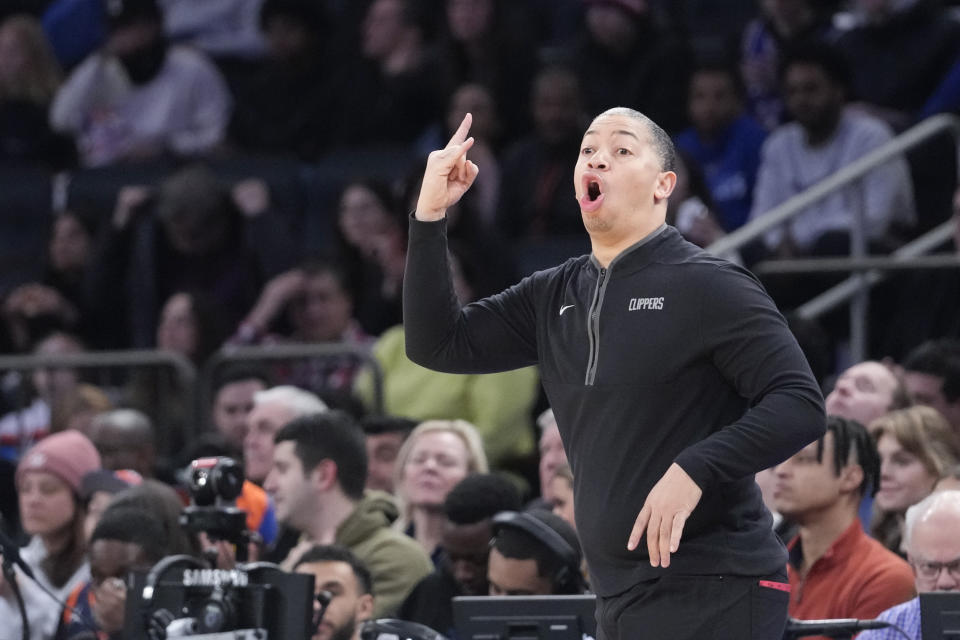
point(593, 329)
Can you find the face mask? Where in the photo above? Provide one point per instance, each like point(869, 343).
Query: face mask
point(144, 65)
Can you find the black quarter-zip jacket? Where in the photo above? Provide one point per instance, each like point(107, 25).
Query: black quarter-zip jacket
point(667, 355)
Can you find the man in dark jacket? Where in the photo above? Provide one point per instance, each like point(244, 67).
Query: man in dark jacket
point(672, 376)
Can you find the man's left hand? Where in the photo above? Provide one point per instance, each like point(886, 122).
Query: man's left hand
point(666, 509)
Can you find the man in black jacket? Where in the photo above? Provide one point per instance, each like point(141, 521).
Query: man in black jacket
point(672, 376)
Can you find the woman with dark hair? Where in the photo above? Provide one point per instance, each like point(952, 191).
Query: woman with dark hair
point(372, 231)
point(48, 483)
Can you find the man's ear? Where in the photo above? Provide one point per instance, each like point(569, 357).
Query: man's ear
point(324, 475)
point(666, 181)
point(364, 607)
point(851, 477)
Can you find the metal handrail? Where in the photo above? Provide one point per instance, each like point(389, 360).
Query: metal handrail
point(856, 287)
point(184, 370)
point(841, 292)
point(297, 351)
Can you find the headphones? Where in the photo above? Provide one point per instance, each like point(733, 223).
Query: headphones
point(567, 578)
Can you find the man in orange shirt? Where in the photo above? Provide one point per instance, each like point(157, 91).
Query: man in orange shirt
point(836, 570)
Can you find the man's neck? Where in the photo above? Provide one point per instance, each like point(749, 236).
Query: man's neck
point(820, 136)
point(606, 249)
point(819, 531)
point(336, 508)
point(428, 527)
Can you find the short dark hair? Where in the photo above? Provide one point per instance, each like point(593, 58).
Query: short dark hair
point(136, 526)
point(660, 140)
point(480, 496)
point(375, 425)
point(332, 435)
point(240, 373)
point(940, 358)
point(849, 436)
point(821, 55)
point(517, 543)
point(339, 553)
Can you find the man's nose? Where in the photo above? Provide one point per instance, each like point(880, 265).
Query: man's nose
point(946, 581)
point(597, 161)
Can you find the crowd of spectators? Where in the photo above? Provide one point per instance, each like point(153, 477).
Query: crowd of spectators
point(229, 174)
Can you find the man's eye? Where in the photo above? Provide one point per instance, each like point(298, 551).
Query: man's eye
point(623, 152)
point(586, 151)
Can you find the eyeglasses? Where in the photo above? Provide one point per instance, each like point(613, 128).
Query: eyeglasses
point(931, 570)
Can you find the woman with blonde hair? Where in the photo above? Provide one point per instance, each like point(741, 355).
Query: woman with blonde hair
point(917, 447)
point(437, 455)
point(29, 79)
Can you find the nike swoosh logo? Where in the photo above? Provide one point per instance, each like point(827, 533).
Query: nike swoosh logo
point(565, 307)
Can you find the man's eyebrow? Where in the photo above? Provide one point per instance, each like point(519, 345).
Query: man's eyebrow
point(618, 131)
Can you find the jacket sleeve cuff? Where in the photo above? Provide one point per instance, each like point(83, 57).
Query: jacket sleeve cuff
point(696, 468)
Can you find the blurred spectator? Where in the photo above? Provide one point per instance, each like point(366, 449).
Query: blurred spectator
point(48, 487)
point(52, 388)
point(468, 509)
point(626, 59)
point(192, 234)
point(317, 302)
point(499, 405)
point(78, 407)
point(691, 208)
point(58, 300)
point(933, 550)
point(931, 373)
point(477, 100)
point(525, 560)
point(866, 391)
point(488, 42)
point(138, 97)
point(163, 502)
point(97, 490)
point(538, 200)
point(827, 136)
point(336, 570)
point(125, 440)
point(284, 103)
point(189, 326)
point(272, 409)
point(561, 487)
point(780, 25)
point(125, 540)
point(319, 469)
point(899, 54)
point(836, 570)
point(29, 78)
point(373, 237)
point(552, 454)
point(917, 447)
point(219, 28)
point(723, 140)
point(395, 90)
point(437, 455)
point(384, 436)
point(233, 391)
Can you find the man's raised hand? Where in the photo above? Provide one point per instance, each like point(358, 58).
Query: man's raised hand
point(665, 511)
point(448, 175)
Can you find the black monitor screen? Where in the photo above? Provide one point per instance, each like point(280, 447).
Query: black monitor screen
point(524, 617)
point(940, 615)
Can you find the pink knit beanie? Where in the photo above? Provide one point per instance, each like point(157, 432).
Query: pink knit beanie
point(69, 455)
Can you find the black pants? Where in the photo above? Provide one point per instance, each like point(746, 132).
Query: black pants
point(696, 608)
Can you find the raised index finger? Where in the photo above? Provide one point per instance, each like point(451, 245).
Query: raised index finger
point(461, 133)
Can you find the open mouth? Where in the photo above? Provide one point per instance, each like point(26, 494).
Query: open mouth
point(593, 190)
